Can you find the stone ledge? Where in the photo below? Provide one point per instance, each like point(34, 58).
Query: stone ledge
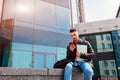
point(55, 72)
point(35, 74)
point(22, 71)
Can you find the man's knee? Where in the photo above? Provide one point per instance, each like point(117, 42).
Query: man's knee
point(89, 71)
point(69, 66)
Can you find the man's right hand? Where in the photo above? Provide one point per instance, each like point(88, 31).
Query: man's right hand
point(72, 47)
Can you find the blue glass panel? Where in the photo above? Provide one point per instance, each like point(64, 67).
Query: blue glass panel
point(21, 59)
point(63, 40)
point(48, 49)
point(63, 18)
point(61, 50)
point(21, 46)
point(38, 61)
point(45, 14)
point(45, 28)
point(47, 38)
point(63, 31)
point(24, 10)
point(61, 56)
point(23, 35)
point(23, 24)
point(50, 61)
point(64, 3)
point(61, 53)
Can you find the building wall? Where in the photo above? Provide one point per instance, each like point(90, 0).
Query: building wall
point(104, 63)
point(40, 32)
point(108, 67)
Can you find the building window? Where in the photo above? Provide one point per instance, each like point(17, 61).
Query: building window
point(112, 63)
point(50, 61)
point(103, 46)
point(105, 63)
point(21, 59)
point(101, 37)
point(108, 38)
point(113, 72)
point(38, 60)
point(106, 72)
point(109, 46)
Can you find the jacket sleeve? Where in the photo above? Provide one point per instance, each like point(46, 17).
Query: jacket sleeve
point(90, 55)
point(70, 54)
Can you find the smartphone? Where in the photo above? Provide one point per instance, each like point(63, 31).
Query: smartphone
point(70, 43)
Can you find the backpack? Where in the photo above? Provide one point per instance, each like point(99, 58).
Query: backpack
point(61, 63)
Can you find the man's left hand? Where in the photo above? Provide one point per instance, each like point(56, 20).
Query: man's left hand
point(77, 54)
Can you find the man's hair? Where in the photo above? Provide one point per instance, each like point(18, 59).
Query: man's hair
point(72, 30)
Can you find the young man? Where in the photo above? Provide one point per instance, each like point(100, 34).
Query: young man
point(85, 59)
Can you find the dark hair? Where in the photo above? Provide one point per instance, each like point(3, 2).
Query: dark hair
point(72, 30)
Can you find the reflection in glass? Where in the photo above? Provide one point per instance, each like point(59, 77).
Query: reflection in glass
point(21, 59)
point(61, 53)
point(23, 35)
point(106, 72)
point(106, 68)
point(5, 53)
point(74, 8)
point(45, 13)
point(63, 40)
point(38, 60)
point(23, 24)
point(63, 31)
point(6, 31)
point(45, 28)
point(100, 42)
point(46, 38)
point(46, 49)
point(8, 10)
point(50, 1)
point(103, 46)
point(64, 3)
point(21, 46)
point(24, 10)
point(50, 61)
point(116, 44)
point(38, 26)
point(113, 72)
point(63, 19)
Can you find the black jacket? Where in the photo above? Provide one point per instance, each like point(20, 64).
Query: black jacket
point(71, 55)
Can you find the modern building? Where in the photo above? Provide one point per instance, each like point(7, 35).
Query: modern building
point(106, 44)
point(35, 34)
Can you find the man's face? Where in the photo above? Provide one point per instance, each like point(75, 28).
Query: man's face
point(74, 35)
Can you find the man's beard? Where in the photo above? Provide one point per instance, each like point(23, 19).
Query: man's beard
point(75, 39)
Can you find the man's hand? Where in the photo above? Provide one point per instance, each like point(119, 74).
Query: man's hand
point(77, 54)
point(72, 47)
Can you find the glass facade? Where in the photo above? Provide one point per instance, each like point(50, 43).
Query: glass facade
point(40, 32)
point(100, 42)
point(103, 44)
point(116, 44)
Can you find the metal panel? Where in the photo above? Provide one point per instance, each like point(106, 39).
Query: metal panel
point(98, 26)
point(104, 56)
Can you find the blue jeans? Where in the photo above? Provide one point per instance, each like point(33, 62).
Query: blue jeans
point(84, 66)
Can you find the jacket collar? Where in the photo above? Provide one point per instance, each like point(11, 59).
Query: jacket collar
point(79, 41)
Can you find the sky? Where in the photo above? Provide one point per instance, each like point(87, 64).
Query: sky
point(97, 10)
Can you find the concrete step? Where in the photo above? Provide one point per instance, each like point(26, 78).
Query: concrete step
point(35, 74)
